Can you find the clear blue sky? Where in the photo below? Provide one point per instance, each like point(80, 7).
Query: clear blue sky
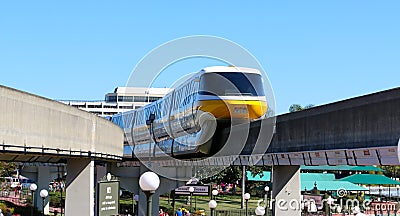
point(313, 51)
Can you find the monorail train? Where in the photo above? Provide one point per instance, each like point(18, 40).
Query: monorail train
point(184, 122)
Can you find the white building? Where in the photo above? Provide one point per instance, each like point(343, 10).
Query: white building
point(121, 100)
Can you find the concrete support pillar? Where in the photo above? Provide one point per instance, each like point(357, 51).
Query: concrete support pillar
point(286, 190)
point(166, 185)
point(80, 187)
point(43, 180)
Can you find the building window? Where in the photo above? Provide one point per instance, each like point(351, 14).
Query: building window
point(110, 113)
point(140, 99)
point(125, 98)
point(94, 106)
point(110, 106)
point(152, 99)
point(126, 107)
point(111, 99)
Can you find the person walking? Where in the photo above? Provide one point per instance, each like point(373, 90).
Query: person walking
point(177, 213)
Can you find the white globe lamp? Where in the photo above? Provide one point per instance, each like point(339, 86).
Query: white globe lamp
point(43, 193)
point(33, 187)
point(212, 204)
point(149, 182)
point(260, 210)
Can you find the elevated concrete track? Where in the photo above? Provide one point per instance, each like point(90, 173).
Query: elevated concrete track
point(359, 131)
point(36, 129)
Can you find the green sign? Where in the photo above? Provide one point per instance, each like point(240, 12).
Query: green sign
point(108, 198)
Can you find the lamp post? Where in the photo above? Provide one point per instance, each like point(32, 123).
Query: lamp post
point(33, 188)
point(246, 197)
point(136, 198)
point(260, 210)
point(214, 193)
point(397, 198)
point(212, 204)
point(266, 189)
point(43, 193)
point(191, 190)
point(380, 196)
point(149, 182)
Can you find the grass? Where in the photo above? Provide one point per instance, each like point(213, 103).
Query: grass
point(224, 202)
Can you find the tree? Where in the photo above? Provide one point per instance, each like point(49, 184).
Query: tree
point(7, 168)
point(232, 174)
point(298, 107)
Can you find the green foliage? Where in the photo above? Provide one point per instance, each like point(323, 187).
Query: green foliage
point(7, 168)
point(298, 107)
point(5, 208)
point(230, 174)
point(17, 210)
point(391, 171)
point(55, 198)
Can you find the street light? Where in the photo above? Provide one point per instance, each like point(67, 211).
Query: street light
point(191, 190)
point(149, 182)
point(212, 204)
point(260, 210)
point(380, 196)
point(33, 188)
point(214, 193)
point(246, 196)
point(136, 198)
point(43, 193)
point(266, 189)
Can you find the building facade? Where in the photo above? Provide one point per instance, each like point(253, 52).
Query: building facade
point(121, 100)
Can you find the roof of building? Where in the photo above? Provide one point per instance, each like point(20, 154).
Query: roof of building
point(369, 179)
point(341, 168)
point(331, 185)
point(317, 177)
point(265, 176)
point(323, 181)
point(141, 90)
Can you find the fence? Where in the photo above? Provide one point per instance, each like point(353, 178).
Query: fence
point(236, 212)
point(20, 197)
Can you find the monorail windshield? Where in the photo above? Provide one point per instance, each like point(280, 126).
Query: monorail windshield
point(231, 84)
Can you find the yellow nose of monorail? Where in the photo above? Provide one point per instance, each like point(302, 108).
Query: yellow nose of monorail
point(237, 109)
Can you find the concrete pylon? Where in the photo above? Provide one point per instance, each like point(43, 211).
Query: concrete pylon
point(80, 187)
point(166, 185)
point(286, 190)
point(43, 183)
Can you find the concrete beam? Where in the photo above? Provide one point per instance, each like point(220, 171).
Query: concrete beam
point(32, 124)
